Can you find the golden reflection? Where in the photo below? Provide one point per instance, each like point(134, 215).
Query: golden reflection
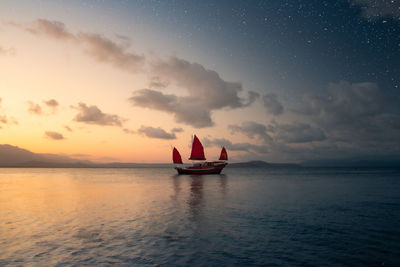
point(176, 183)
point(35, 202)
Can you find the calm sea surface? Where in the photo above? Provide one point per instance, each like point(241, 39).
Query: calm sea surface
point(150, 216)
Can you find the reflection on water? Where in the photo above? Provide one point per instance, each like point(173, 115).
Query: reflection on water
point(223, 182)
point(258, 217)
point(176, 185)
point(195, 200)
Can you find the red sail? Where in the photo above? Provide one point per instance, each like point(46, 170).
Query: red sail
point(224, 155)
point(176, 157)
point(197, 150)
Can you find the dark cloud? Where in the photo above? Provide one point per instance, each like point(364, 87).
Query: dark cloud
point(344, 120)
point(344, 103)
point(372, 9)
point(297, 133)
point(252, 129)
point(252, 96)
point(54, 135)
point(185, 109)
point(128, 131)
point(204, 85)
point(272, 104)
point(176, 130)
point(206, 92)
point(355, 113)
point(34, 108)
point(158, 83)
point(93, 115)
point(262, 149)
point(51, 103)
point(154, 100)
point(158, 132)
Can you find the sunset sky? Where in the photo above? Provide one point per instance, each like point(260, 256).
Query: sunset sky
point(281, 81)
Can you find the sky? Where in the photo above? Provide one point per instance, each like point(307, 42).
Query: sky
point(280, 81)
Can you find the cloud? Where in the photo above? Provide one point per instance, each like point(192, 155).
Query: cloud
point(51, 103)
point(158, 83)
point(206, 92)
point(34, 108)
point(262, 149)
point(352, 116)
point(68, 128)
point(125, 40)
point(344, 103)
point(38, 110)
point(6, 120)
point(105, 50)
point(177, 130)
point(297, 133)
point(53, 29)
point(202, 84)
point(185, 109)
point(272, 104)
point(93, 115)
point(9, 121)
point(3, 119)
point(80, 155)
point(252, 129)
point(54, 135)
point(252, 96)
point(7, 51)
point(95, 45)
point(346, 119)
point(128, 131)
point(158, 132)
point(372, 9)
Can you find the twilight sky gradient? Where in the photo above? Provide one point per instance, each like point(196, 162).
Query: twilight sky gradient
point(271, 80)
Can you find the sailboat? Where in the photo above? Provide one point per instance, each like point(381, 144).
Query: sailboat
point(213, 167)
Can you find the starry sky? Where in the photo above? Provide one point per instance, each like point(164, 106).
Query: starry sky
point(281, 81)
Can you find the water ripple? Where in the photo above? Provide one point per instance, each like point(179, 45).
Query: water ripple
point(151, 217)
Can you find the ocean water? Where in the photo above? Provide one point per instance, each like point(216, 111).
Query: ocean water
point(245, 217)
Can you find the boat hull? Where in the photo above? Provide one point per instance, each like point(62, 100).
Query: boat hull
point(203, 169)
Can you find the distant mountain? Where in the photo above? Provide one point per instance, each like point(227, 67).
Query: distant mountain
point(262, 164)
point(133, 165)
point(387, 162)
point(13, 156)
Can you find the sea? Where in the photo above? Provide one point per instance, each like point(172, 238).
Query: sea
point(243, 217)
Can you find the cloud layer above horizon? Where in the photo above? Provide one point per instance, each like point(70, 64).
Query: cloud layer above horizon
point(286, 98)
